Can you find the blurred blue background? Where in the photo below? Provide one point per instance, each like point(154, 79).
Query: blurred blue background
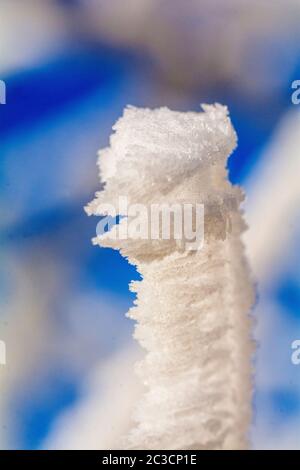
point(70, 67)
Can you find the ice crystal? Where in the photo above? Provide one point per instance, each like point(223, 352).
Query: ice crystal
point(192, 306)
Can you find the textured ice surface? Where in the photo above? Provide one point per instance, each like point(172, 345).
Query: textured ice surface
point(191, 307)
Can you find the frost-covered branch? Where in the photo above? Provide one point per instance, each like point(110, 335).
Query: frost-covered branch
point(191, 306)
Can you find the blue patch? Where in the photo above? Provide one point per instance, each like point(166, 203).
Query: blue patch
point(36, 408)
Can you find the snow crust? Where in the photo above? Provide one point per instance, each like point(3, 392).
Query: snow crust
point(192, 307)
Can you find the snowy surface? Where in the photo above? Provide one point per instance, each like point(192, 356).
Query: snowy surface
point(192, 306)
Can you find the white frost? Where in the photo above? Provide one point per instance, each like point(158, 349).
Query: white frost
point(191, 307)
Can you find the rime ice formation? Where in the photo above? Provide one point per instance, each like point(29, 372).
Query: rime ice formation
point(191, 307)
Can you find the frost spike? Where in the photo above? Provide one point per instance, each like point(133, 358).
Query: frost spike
point(192, 306)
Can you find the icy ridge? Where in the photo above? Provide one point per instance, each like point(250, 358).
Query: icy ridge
point(192, 307)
